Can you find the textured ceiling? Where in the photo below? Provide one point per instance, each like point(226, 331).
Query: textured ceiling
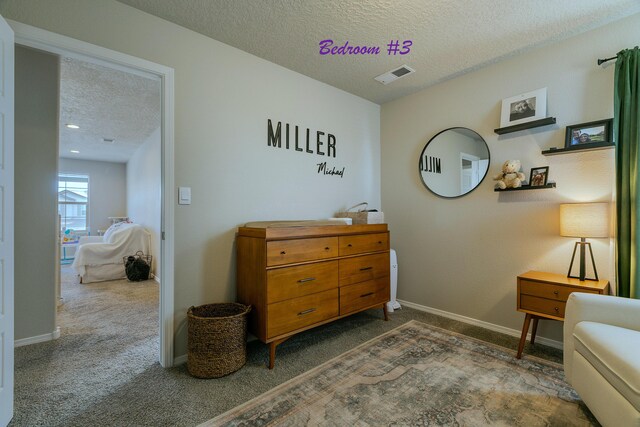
point(449, 37)
point(105, 103)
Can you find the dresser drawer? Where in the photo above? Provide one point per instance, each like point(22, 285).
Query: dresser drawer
point(289, 315)
point(281, 252)
point(363, 243)
point(365, 294)
point(292, 282)
point(548, 290)
point(363, 268)
point(542, 305)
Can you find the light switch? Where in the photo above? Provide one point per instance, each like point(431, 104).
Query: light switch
point(184, 195)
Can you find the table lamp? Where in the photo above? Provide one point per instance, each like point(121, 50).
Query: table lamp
point(584, 220)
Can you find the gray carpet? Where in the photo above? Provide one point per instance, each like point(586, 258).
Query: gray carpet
point(103, 370)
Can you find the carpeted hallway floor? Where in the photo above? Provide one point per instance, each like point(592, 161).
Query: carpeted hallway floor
point(103, 370)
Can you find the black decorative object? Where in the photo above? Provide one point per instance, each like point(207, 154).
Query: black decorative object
point(579, 148)
point(137, 267)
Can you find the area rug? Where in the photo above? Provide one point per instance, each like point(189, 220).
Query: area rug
point(418, 374)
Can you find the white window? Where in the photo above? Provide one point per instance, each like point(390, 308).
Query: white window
point(73, 202)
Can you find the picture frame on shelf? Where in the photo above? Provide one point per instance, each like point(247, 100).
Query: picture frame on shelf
point(524, 108)
point(539, 176)
point(584, 134)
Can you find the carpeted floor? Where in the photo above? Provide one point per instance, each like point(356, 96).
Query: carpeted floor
point(103, 370)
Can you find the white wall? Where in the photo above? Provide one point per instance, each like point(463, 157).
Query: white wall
point(143, 191)
point(463, 255)
point(107, 189)
point(223, 98)
point(36, 158)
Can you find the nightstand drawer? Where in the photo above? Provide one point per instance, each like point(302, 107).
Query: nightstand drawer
point(542, 305)
point(292, 282)
point(363, 268)
point(549, 291)
point(298, 250)
point(287, 316)
point(363, 243)
point(365, 294)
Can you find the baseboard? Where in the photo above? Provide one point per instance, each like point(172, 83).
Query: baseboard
point(156, 278)
point(177, 361)
point(38, 339)
point(480, 323)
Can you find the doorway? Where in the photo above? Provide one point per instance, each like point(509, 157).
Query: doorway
point(70, 48)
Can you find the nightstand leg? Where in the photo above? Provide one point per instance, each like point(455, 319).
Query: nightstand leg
point(386, 313)
point(534, 328)
point(523, 338)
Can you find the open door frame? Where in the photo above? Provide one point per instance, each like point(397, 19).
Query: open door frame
point(7, 109)
point(37, 38)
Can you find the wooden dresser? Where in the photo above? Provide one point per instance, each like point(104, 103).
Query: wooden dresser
point(300, 277)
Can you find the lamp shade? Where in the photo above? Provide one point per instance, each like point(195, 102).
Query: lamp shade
point(584, 220)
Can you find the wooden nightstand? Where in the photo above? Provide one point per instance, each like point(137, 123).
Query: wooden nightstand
point(544, 296)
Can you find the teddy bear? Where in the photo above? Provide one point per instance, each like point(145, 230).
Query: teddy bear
point(510, 177)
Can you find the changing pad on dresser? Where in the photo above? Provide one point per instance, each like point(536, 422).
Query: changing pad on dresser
point(301, 223)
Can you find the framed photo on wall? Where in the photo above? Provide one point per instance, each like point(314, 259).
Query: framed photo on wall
point(524, 108)
point(539, 176)
point(589, 133)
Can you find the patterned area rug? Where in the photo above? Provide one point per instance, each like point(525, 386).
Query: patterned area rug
point(415, 375)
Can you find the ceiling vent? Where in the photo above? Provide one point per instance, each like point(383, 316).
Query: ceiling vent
point(394, 75)
point(108, 140)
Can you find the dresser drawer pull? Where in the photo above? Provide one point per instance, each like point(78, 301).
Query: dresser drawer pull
point(308, 279)
point(327, 248)
point(367, 294)
point(366, 268)
point(556, 309)
point(302, 313)
point(555, 292)
point(283, 253)
point(350, 245)
point(379, 242)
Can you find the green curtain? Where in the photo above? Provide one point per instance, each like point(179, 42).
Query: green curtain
point(627, 136)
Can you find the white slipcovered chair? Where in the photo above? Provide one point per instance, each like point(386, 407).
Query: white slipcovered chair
point(602, 355)
point(99, 258)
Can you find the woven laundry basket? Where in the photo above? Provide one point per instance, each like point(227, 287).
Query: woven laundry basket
point(217, 339)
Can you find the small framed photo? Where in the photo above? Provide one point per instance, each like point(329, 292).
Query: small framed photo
point(538, 177)
point(589, 133)
point(524, 108)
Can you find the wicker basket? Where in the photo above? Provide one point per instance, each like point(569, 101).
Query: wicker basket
point(217, 340)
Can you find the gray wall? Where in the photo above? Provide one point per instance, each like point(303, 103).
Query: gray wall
point(36, 163)
point(107, 189)
point(143, 191)
point(462, 256)
point(223, 98)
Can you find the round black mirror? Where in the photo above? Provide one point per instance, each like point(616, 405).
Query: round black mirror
point(454, 162)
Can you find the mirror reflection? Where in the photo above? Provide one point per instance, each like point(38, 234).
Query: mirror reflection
point(454, 162)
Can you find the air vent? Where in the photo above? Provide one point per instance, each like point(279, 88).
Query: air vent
point(394, 75)
point(108, 140)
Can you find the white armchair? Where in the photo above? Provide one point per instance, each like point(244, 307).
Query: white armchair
point(602, 355)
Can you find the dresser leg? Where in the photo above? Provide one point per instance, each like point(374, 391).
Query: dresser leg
point(386, 313)
point(523, 338)
point(272, 354)
point(272, 351)
point(534, 329)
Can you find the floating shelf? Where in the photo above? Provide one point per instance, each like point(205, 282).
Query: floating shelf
point(528, 125)
point(590, 147)
point(528, 187)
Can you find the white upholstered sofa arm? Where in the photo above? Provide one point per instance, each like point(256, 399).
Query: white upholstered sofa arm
point(610, 310)
point(90, 239)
